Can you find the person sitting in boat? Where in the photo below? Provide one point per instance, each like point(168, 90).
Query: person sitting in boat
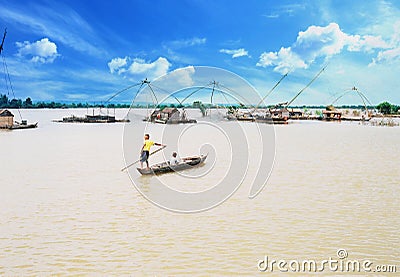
point(174, 159)
point(145, 152)
point(184, 116)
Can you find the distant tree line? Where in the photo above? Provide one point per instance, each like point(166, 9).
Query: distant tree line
point(5, 102)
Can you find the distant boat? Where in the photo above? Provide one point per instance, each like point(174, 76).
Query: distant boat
point(336, 115)
point(99, 118)
point(7, 122)
point(169, 116)
point(331, 115)
point(272, 120)
point(265, 117)
point(165, 167)
point(245, 116)
point(24, 125)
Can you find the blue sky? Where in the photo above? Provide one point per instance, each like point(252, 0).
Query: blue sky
point(87, 50)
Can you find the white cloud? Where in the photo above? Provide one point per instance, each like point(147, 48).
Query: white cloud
point(320, 42)
point(77, 96)
point(366, 43)
point(285, 10)
point(178, 78)
point(283, 60)
point(392, 54)
point(395, 40)
point(182, 43)
point(67, 27)
point(152, 69)
point(387, 56)
point(172, 49)
point(235, 53)
point(140, 68)
point(169, 85)
point(117, 65)
point(41, 51)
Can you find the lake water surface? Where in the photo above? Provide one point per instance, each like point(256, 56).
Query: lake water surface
point(67, 209)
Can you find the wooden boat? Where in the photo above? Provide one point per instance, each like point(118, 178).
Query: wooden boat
point(165, 167)
point(331, 115)
point(250, 117)
point(23, 125)
point(362, 119)
point(169, 116)
point(272, 120)
point(240, 116)
point(7, 122)
point(91, 119)
point(177, 121)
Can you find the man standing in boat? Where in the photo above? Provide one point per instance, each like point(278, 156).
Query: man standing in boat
point(145, 152)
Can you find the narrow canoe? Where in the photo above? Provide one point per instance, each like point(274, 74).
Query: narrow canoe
point(164, 167)
point(21, 126)
point(272, 120)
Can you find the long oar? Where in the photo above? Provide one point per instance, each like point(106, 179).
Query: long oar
point(126, 167)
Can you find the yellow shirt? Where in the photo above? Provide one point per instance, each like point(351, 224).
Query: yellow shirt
point(147, 145)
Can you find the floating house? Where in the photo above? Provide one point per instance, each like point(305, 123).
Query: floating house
point(6, 119)
point(169, 116)
point(280, 112)
point(289, 113)
point(260, 117)
point(7, 122)
point(334, 115)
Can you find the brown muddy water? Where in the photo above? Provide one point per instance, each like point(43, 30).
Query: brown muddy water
point(67, 209)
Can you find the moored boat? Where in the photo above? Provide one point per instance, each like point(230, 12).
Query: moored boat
point(169, 116)
point(165, 167)
point(91, 119)
point(272, 120)
point(7, 122)
point(23, 125)
point(330, 114)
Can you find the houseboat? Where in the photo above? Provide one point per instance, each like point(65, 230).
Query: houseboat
point(169, 116)
point(331, 115)
point(7, 122)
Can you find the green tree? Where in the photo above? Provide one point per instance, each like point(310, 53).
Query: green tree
point(385, 107)
point(3, 101)
point(395, 109)
point(27, 103)
point(15, 103)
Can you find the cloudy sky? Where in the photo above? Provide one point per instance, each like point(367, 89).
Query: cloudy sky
point(88, 50)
